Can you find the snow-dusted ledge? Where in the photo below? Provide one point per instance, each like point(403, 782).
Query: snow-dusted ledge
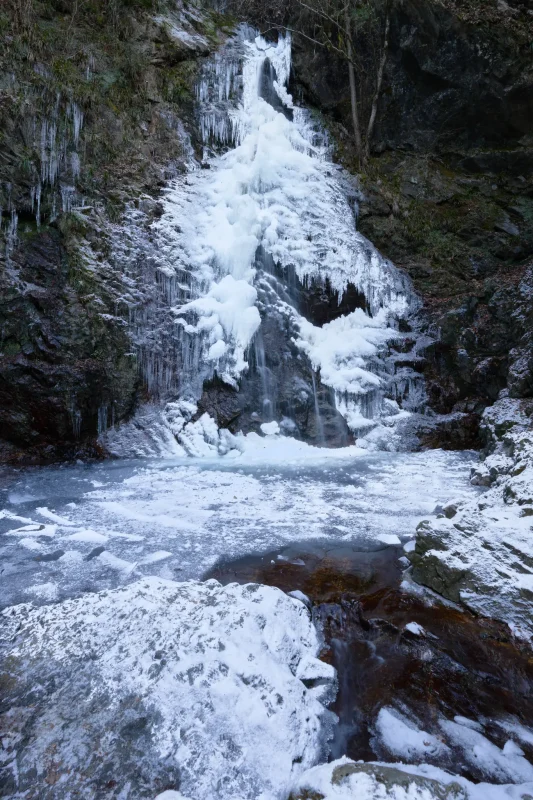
point(480, 552)
point(348, 780)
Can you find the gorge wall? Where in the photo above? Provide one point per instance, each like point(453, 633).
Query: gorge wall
point(94, 100)
point(448, 190)
point(97, 116)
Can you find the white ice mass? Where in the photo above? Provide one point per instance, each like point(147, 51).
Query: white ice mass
point(273, 200)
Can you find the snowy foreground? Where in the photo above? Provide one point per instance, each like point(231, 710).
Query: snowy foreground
point(150, 685)
point(220, 684)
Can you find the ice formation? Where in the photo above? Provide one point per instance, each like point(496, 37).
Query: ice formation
point(269, 197)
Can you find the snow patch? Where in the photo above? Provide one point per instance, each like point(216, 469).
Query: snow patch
point(402, 738)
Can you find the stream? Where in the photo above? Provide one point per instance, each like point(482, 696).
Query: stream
point(87, 527)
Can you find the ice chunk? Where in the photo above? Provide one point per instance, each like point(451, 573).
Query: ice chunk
point(415, 628)
point(270, 428)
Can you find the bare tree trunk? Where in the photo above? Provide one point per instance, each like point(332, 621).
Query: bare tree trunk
point(353, 90)
point(381, 68)
point(23, 14)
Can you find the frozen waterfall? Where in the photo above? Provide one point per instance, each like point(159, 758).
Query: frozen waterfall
point(268, 198)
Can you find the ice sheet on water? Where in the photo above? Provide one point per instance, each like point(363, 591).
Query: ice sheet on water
point(276, 493)
point(221, 676)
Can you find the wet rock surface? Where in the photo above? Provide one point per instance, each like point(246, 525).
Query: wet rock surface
point(66, 355)
point(474, 275)
point(405, 658)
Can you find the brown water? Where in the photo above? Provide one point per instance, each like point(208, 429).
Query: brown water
point(463, 665)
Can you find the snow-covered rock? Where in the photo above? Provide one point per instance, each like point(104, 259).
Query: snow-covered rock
point(212, 691)
point(480, 552)
point(348, 780)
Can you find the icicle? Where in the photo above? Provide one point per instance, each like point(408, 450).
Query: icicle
point(77, 115)
point(102, 419)
point(11, 235)
point(38, 200)
point(75, 416)
point(75, 165)
point(67, 197)
point(318, 418)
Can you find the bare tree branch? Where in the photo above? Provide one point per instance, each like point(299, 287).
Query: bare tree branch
point(297, 32)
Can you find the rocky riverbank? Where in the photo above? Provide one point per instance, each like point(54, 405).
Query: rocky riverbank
point(480, 553)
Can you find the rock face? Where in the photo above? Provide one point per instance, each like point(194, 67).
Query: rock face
point(458, 77)
point(480, 553)
point(93, 125)
point(67, 357)
point(448, 187)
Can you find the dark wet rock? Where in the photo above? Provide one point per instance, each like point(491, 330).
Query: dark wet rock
point(451, 82)
point(455, 431)
point(399, 649)
point(95, 552)
point(55, 556)
point(63, 358)
point(267, 90)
